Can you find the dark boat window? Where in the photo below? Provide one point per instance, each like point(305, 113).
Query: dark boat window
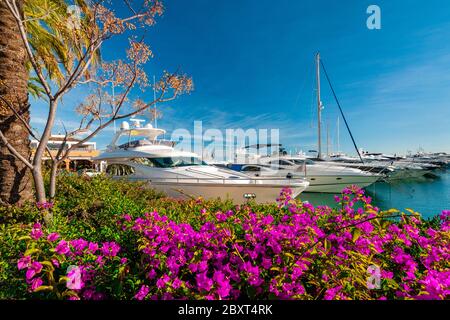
point(170, 162)
point(301, 162)
point(251, 169)
point(281, 163)
point(119, 170)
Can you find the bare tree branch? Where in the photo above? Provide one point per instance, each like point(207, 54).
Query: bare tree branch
point(15, 152)
point(25, 123)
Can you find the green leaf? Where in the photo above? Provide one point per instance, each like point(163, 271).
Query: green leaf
point(48, 264)
point(63, 279)
point(29, 252)
point(69, 293)
point(356, 233)
point(290, 255)
point(327, 244)
point(43, 288)
point(275, 269)
point(391, 283)
point(251, 292)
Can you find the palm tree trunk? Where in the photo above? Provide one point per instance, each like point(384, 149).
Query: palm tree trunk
point(15, 177)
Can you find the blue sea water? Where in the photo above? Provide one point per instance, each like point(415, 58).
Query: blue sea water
point(426, 196)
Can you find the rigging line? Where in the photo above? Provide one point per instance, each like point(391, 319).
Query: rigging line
point(301, 89)
point(340, 109)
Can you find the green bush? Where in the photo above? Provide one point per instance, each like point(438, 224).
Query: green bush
point(167, 248)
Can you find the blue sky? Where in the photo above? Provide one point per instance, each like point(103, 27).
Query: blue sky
point(252, 63)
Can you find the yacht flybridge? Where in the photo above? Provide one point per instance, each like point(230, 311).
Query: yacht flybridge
point(183, 174)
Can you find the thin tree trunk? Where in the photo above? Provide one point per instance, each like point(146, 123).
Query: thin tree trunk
point(53, 173)
point(15, 177)
point(37, 160)
point(39, 184)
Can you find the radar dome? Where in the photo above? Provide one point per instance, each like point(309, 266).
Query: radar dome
point(125, 126)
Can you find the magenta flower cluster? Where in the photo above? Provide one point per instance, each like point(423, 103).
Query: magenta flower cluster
point(290, 251)
point(44, 205)
point(75, 264)
point(304, 253)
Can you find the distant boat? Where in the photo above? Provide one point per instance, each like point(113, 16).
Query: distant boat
point(322, 177)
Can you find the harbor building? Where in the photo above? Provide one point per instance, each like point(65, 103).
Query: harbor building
point(79, 158)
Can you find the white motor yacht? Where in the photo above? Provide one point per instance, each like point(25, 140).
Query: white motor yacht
point(322, 177)
point(183, 174)
point(326, 178)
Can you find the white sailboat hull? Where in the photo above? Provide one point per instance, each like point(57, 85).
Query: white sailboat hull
point(326, 183)
point(335, 184)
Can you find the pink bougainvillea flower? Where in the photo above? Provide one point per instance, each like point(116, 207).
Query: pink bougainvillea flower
point(23, 262)
point(110, 249)
point(331, 293)
point(161, 282)
point(33, 269)
point(223, 284)
point(203, 282)
point(74, 281)
point(93, 247)
point(142, 293)
point(151, 274)
point(53, 237)
point(79, 245)
point(36, 283)
point(99, 260)
point(36, 231)
point(55, 263)
point(176, 283)
point(62, 248)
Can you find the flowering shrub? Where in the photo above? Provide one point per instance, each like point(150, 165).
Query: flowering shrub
point(292, 250)
point(69, 269)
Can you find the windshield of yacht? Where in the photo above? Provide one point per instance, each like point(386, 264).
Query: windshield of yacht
point(170, 162)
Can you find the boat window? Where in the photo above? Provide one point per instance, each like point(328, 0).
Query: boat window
point(119, 170)
point(170, 162)
point(144, 161)
point(251, 168)
point(301, 162)
point(281, 162)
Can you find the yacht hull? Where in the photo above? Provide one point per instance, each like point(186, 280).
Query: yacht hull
point(335, 184)
point(238, 193)
point(403, 174)
point(330, 183)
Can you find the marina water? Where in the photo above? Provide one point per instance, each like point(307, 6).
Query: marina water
point(428, 196)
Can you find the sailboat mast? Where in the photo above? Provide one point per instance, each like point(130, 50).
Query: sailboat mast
point(338, 138)
point(319, 108)
point(328, 139)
